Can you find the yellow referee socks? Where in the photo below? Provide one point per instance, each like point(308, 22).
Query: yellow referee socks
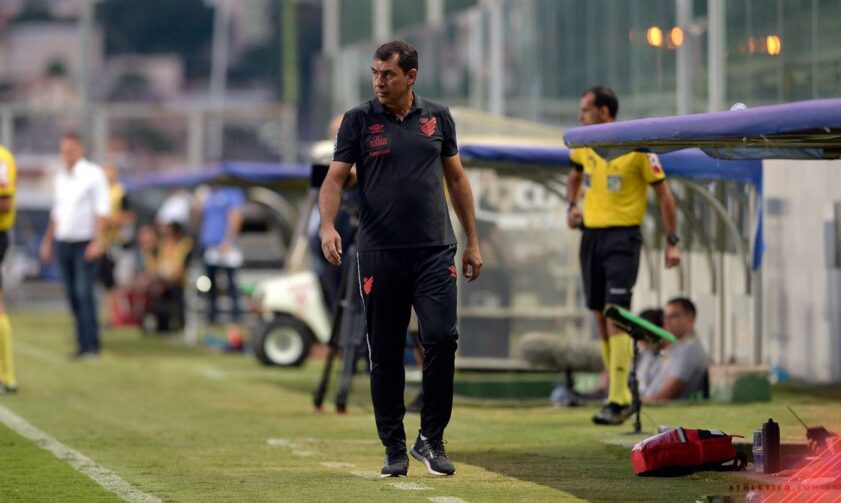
point(604, 346)
point(7, 368)
point(621, 352)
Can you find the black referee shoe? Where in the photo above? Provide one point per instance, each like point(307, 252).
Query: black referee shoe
point(613, 414)
point(396, 463)
point(432, 454)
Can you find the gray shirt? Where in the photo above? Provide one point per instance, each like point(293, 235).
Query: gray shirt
point(686, 361)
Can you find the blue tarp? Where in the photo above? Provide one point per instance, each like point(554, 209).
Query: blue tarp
point(801, 130)
point(253, 172)
point(688, 163)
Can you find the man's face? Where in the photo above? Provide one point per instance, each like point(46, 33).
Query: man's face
point(677, 321)
point(589, 114)
point(71, 151)
point(390, 82)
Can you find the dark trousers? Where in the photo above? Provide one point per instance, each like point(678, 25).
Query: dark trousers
point(391, 282)
point(79, 277)
point(232, 290)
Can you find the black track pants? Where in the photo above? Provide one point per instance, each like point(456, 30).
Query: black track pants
point(391, 282)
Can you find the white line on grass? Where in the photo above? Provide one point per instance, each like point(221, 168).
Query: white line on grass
point(213, 373)
point(410, 486)
point(281, 442)
point(101, 475)
point(446, 499)
point(38, 353)
point(304, 454)
point(367, 475)
point(337, 464)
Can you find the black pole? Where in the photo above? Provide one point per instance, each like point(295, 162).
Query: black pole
point(636, 403)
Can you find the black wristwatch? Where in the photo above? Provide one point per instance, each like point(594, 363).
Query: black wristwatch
point(570, 206)
point(672, 239)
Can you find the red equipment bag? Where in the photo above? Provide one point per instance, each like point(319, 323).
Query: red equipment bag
point(680, 449)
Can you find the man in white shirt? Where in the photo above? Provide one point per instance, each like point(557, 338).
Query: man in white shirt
point(176, 208)
point(76, 237)
point(683, 364)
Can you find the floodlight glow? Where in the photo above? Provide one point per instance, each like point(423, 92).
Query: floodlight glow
point(774, 44)
point(676, 36)
point(654, 36)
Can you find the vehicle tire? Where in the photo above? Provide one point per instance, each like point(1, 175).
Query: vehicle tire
point(283, 342)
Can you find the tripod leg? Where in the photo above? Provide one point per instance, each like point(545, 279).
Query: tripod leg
point(335, 332)
point(349, 357)
point(572, 400)
point(636, 403)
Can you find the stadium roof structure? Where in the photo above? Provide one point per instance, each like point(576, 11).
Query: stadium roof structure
point(692, 164)
point(801, 130)
point(228, 173)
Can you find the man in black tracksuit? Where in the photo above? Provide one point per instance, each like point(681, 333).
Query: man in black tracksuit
point(404, 148)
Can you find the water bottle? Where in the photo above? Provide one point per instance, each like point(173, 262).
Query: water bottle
point(777, 372)
point(770, 446)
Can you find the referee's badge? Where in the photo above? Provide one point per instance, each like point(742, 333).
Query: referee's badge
point(614, 183)
point(654, 161)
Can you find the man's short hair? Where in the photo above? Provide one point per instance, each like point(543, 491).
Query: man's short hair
point(604, 96)
point(408, 55)
point(73, 136)
point(686, 305)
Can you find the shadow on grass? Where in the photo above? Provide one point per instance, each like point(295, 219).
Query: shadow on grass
point(796, 392)
point(595, 473)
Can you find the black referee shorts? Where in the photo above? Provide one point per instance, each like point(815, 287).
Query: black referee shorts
point(610, 260)
point(4, 247)
point(391, 282)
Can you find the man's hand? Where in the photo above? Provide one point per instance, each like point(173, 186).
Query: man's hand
point(46, 251)
point(574, 218)
point(471, 263)
point(672, 254)
point(94, 251)
point(331, 245)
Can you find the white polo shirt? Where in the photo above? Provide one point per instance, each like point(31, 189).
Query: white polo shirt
point(79, 197)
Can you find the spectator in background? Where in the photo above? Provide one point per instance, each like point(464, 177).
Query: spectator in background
point(145, 270)
point(120, 217)
point(684, 364)
point(167, 285)
point(147, 253)
point(221, 222)
point(8, 179)
point(76, 237)
point(177, 208)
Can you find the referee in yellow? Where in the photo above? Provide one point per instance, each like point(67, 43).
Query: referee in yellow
point(614, 200)
point(8, 175)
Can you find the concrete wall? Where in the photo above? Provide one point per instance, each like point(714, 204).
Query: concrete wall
point(802, 280)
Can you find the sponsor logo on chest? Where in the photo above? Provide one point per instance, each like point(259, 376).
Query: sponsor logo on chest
point(378, 141)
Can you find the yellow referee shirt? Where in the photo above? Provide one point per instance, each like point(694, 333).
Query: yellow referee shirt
point(615, 191)
point(8, 179)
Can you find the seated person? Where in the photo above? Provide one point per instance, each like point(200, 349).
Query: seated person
point(684, 364)
point(167, 286)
